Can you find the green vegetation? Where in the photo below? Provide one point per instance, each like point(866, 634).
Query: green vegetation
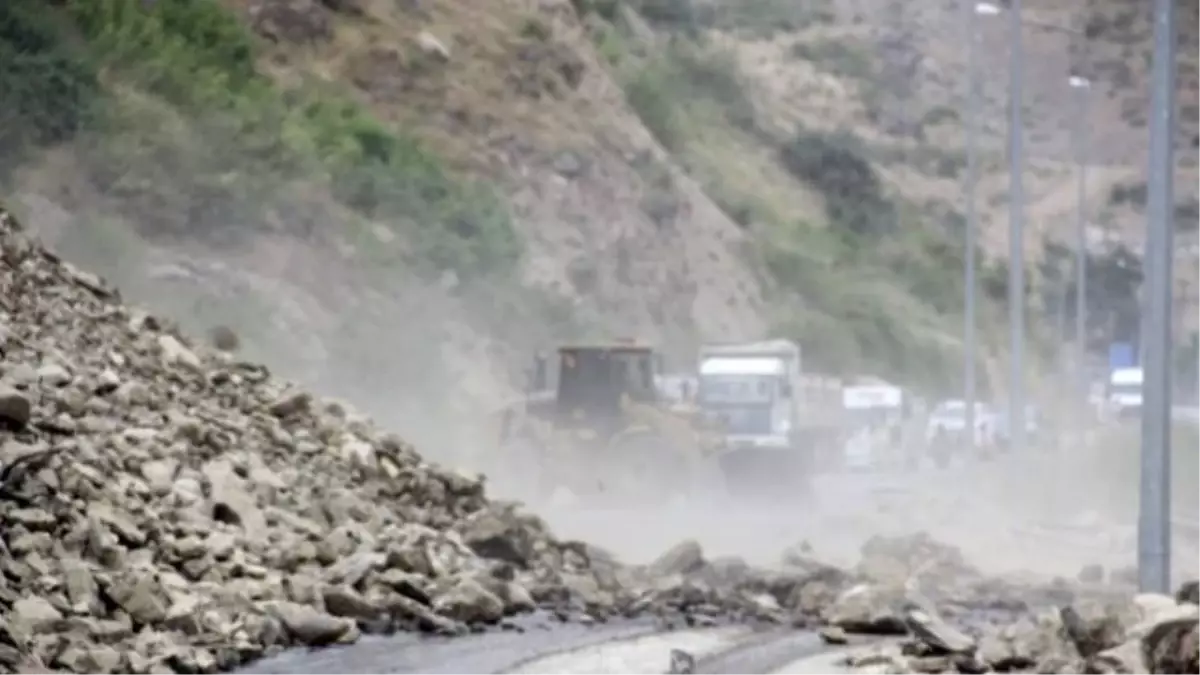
point(837, 166)
point(866, 281)
point(665, 88)
point(196, 143)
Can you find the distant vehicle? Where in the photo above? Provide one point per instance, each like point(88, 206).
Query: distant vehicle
point(874, 417)
point(1125, 392)
point(1002, 423)
point(780, 421)
point(947, 430)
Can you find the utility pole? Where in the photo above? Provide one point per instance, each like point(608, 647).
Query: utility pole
point(1016, 286)
point(1154, 532)
point(969, 283)
point(1016, 230)
point(1082, 89)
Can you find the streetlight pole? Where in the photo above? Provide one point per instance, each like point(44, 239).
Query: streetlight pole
point(1082, 88)
point(1016, 277)
point(970, 284)
point(1016, 231)
point(1154, 532)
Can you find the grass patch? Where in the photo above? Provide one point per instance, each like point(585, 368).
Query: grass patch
point(670, 88)
point(195, 141)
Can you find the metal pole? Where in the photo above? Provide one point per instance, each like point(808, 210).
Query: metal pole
point(1079, 393)
point(970, 284)
point(1060, 325)
point(1154, 532)
point(1016, 215)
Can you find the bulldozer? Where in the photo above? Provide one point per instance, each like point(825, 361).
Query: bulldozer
point(599, 427)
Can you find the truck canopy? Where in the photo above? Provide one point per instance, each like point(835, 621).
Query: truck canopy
point(742, 365)
point(783, 348)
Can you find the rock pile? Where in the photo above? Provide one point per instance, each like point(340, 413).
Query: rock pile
point(164, 507)
point(949, 618)
point(1149, 633)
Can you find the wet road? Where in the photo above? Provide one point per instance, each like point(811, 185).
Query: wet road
point(551, 647)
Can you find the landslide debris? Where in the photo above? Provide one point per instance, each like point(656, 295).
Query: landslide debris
point(165, 507)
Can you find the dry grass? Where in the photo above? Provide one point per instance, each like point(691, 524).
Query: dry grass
point(516, 73)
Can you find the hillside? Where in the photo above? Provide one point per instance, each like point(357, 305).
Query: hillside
point(423, 192)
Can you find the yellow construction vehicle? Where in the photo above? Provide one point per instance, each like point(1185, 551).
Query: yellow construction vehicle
point(602, 430)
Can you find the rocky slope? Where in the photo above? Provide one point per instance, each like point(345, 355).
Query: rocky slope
point(556, 206)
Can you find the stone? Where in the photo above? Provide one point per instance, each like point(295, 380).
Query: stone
point(938, 634)
point(36, 614)
point(15, 409)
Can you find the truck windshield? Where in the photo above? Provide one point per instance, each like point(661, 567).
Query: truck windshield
point(720, 389)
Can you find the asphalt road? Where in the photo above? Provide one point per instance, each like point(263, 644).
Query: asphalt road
point(545, 646)
point(568, 650)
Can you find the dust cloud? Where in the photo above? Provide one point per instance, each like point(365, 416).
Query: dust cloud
point(1040, 514)
point(413, 359)
point(424, 359)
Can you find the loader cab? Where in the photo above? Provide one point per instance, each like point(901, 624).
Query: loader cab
point(592, 379)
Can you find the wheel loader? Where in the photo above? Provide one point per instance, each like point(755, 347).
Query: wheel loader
point(599, 427)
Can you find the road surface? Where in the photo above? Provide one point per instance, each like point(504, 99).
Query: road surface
point(546, 646)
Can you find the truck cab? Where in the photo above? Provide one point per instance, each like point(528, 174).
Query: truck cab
point(778, 423)
point(750, 396)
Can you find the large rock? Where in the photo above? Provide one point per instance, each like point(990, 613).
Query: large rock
point(869, 609)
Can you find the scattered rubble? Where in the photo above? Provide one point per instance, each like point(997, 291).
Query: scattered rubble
point(1024, 628)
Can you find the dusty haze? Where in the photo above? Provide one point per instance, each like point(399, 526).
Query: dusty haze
point(626, 233)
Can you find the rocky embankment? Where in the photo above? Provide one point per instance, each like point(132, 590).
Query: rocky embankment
point(166, 507)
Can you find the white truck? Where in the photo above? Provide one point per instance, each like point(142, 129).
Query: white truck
point(780, 424)
point(1125, 392)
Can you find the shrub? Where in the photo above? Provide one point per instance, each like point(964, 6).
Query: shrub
point(835, 164)
point(666, 90)
point(195, 142)
point(50, 88)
